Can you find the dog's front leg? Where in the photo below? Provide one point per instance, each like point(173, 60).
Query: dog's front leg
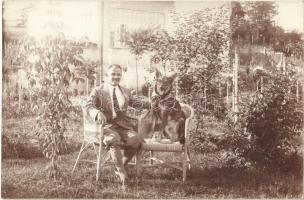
point(164, 123)
point(181, 130)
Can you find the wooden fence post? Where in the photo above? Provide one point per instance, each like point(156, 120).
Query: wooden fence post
point(235, 86)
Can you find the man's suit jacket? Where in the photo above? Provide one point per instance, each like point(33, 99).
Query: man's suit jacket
point(100, 101)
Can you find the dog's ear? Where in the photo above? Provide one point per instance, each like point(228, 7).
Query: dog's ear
point(157, 74)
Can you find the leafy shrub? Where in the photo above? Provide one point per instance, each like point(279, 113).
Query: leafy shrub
point(204, 136)
point(267, 125)
point(273, 119)
point(201, 142)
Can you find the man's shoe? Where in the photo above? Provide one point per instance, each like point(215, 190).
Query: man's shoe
point(121, 176)
point(124, 187)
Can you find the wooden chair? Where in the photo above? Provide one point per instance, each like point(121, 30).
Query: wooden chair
point(153, 146)
point(93, 137)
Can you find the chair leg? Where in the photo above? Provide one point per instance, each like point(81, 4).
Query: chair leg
point(83, 146)
point(98, 162)
point(94, 146)
point(151, 156)
point(188, 159)
point(138, 164)
point(185, 165)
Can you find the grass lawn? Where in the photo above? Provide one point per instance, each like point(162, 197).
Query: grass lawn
point(208, 178)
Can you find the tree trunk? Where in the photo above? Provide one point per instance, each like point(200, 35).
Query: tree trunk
point(87, 86)
point(164, 67)
point(31, 98)
point(176, 89)
point(136, 60)
point(262, 80)
point(220, 91)
point(54, 168)
point(205, 97)
point(19, 96)
point(227, 92)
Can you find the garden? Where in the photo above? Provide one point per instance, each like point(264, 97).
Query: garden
point(246, 134)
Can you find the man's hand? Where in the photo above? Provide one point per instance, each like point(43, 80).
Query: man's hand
point(100, 118)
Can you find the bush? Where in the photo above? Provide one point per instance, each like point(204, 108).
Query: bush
point(267, 125)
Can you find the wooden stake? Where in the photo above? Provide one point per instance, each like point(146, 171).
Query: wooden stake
point(235, 88)
point(297, 93)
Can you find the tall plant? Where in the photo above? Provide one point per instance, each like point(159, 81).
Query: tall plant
point(51, 74)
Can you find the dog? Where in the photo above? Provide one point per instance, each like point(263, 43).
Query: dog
point(165, 119)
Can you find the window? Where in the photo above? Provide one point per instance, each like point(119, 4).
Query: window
point(118, 35)
point(124, 20)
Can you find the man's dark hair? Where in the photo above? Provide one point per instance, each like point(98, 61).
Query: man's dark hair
point(114, 65)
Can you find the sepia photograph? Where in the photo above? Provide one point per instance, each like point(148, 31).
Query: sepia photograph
point(106, 99)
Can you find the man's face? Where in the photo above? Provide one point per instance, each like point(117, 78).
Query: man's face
point(114, 75)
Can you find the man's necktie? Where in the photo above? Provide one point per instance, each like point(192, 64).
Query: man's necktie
point(115, 102)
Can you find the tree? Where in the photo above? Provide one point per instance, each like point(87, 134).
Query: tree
point(260, 16)
point(201, 47)
point(239, 25)
point(139, 41)
point(201, 52)
point(85, 71)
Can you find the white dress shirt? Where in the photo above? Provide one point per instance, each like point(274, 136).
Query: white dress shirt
point(120, 98)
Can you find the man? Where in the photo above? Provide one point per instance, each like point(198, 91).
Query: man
point(107, 104)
